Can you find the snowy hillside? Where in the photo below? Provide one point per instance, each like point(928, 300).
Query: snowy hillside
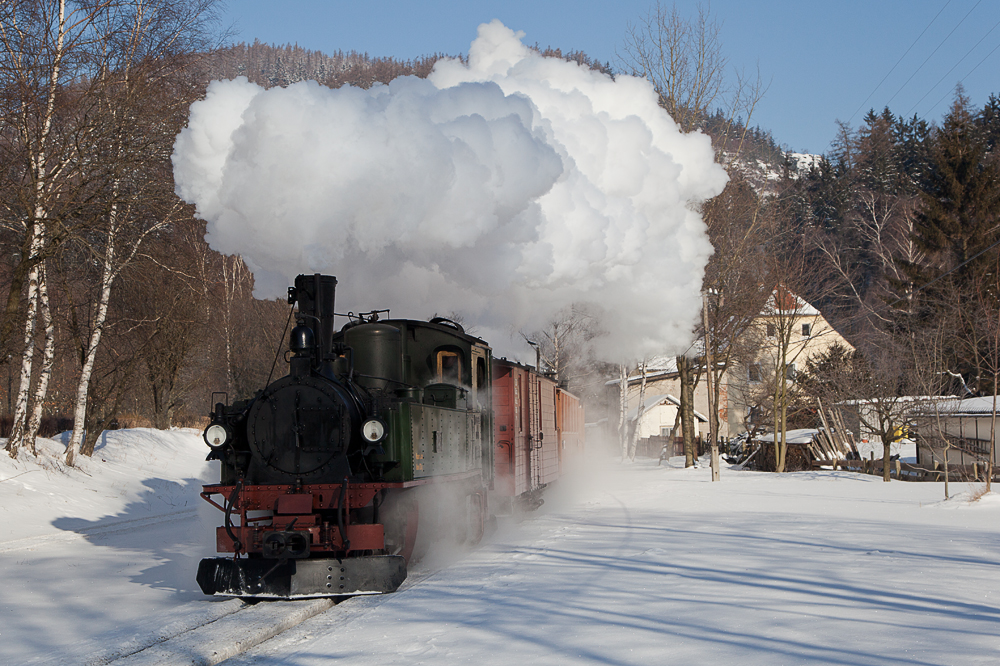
point(763, 176)
point(632, 564)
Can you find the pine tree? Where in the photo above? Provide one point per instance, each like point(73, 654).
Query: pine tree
point(959, 220)
point(961, 201)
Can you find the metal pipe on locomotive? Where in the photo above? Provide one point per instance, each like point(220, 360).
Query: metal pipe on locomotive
point(322, 472)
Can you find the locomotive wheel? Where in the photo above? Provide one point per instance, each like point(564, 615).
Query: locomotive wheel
point(400, 517)
point(412, 520)
point(477, 517)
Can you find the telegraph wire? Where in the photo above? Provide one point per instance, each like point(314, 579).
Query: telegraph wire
point(860, 106)
point(961, 60)
point(964, 77)
point(934, 51)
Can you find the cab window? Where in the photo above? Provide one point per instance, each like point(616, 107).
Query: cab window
point(449, 368)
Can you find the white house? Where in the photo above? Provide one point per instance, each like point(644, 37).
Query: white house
point(787, 323)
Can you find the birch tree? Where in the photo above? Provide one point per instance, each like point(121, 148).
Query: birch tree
point(138, 68)
point(623, 409)
point(640, 409)
point(38, 39)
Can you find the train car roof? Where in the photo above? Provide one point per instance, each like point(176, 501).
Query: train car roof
point(532, 369)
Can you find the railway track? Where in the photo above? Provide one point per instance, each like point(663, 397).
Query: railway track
point(231, 629)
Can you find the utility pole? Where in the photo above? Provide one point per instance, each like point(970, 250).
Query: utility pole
point(709, 383)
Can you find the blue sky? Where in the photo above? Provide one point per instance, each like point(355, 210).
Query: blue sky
point(823, 59)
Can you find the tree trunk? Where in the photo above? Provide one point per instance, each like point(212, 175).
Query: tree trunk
point(19, 429)
point(623, 410)
point(48, 359)
point(634, 440)
point(781, 400)
point(713, 403)
point(107, 278)
point(687, 409)
point(886, 454)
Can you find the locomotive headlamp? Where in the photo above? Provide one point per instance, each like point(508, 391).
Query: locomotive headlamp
point(216, 435)
point(373, 430)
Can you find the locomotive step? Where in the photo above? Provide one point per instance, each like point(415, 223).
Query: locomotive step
point(326, 577)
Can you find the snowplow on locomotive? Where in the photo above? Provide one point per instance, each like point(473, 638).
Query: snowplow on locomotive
point(326, 474)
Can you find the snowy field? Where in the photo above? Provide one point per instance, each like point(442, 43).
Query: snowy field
point(636, 564)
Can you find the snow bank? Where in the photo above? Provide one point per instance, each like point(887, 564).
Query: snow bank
point(105, 552)
point(151, 467)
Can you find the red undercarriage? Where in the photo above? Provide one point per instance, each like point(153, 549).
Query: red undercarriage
point(297, 508)
point(287, 505)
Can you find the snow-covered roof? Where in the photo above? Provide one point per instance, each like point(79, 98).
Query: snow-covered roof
point(965, 407)
point(653, 401)
point(783, 300)
point(800, 436)
point(945, 404)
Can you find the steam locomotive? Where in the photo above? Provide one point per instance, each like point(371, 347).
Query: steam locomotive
point(378, 428)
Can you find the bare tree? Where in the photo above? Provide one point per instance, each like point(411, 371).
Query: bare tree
point(640, 410)
point(623, 409)
point(137, 73)
point(683, 59)
point(36, 39)
point(878, 383)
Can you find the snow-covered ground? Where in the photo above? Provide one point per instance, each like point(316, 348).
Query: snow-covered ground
point(635, 564)
point(96, 558)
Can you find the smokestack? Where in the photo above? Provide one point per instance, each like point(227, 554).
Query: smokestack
point(315, 296)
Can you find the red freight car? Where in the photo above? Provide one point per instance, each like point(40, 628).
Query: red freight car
point(538, 432)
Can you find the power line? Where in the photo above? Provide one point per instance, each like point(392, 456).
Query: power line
point(985, 58)
point(961, 60)
point(860, 106)
point(934, 51)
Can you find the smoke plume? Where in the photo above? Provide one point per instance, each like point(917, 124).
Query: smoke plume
point(505, 189)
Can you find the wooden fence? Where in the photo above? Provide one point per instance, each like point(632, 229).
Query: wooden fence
point(909, 472)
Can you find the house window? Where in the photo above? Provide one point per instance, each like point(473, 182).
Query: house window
point(790, 371)
point(753, 373)
point(666, 431)
point(806, 330)
point(771, 332)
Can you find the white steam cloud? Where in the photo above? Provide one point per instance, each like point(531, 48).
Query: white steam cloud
point(504, 189)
